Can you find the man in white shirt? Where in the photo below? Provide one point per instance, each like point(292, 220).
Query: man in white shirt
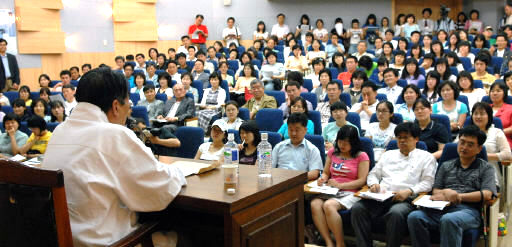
point(465, 51)
point(69, 94)
point(406, 172)
point(231, 34)
point(280, 29)
point(109, 173)
point(185, 43)
point(65, 79)
point(140, 64)
point(392, 91)
point(207, 65)
point(361, 50)
point(426, 24)
point(388, 37)
point(172, 69)
point(368, 106)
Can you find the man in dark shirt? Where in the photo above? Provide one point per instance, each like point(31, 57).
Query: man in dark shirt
point(466, 182)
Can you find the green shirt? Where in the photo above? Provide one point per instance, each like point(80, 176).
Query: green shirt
point(330, 131)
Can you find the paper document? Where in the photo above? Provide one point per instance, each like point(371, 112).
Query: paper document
point(377, 196)
point(190, 168)
point(424, 201)
point(18, 158)
point(324, 189)
point(158, 120)
point(195, 34)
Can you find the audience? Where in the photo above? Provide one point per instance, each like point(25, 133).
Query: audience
point(297, 105)
point(69, 95)
point(433, 134)
point(213, 99)
point(259, 100)
point(214, 150)
point(12, 138)
point(357, 79)
point(392, 90)
point(467, 88)
point(368, 105)
point(409, 95)
point(450, 106)
point(40, 108)
point(339, 113)
point(38, 140)
point(57, 112)
point(177, 109)
point(333, 96)
point(382, 131)
point(153, 105)
point(231, 120)
point(293, 91)
point(20, 110)
point(498, 93)
point(250, 136)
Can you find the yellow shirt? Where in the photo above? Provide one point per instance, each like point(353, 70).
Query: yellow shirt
point(28, 102)
point(487, 79)
point(41, 144)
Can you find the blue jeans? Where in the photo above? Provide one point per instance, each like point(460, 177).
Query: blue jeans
point(451, 222)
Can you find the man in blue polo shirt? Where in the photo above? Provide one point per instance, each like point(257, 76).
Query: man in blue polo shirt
point(297, 153)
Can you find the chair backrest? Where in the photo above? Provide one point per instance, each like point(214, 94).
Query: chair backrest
point(354, 119)
point(367, 146)
point(308, 84)
point(397, 118)
point(34, 95)
point(316, 118)
point(450, 152)
point(394, 145)
point(159, 71)
point(12, 95)
point(379, 97)
point(269, 119)
point(6, 109)
point(334, 72)
point(311, 97)
point(191, 138)
point(51, 126)
point(273, 137)
point(318, 141)
point(454, 71)
point(33, 198)
point(496, 62)
point(402, 83)
point(278, 95)
point(190, 64)
point(487, 99)
point(478, 84)
point(199, 86)
point(345, 98)
point(243, 113)
point(141, 112)
point(24, 128)
point(224, 85)
point(466, 62)
point(495, 120)
point(134, 97)
point(421, 84)
point(161, 96)
point(443, 120)
point(233, 65)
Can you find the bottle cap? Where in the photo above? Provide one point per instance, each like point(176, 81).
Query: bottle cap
point(231, 136)
point(264, 136)
point(231, 191)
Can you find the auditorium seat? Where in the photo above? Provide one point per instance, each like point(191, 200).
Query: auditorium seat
point(141, 112)
point(269, 119)
point(318, 141)
point(191, 138)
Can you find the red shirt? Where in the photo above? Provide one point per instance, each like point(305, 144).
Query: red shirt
point(505, 114)
point(202, 38)
point(345, 77)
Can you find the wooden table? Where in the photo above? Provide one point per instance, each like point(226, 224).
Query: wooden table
point(262, 212)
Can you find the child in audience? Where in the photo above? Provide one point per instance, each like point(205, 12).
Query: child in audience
point(381, 132)
point(25, 95)
point(346, 168)
point(44, 81)
point(399, 62)
point(431, 86)
point(443, 68)
point(19, 108)
point(57, 109)
point(250, 136)
point(38, 140)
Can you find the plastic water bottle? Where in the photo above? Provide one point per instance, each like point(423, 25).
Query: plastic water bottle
point(230, 166)
point(264, 157)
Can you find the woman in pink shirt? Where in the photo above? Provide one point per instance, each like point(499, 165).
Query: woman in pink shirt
point(346, 168)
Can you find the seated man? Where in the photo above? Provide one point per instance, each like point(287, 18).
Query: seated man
point(361, 50)
point(333, 94)
point(465, 182)
point(207, 65)
point(38, 140)
point(177, 109)
point(160, 140)
point(260, 99)
point(128, 74)
point(406, 171)
point(392, 90)
point(141, 63)
point(172, 69)
point(292, 90)
point(109, 173)
point(199, 74)
point(297, 153)
point(155, 106)
point(65, 78)
point(69, 95)
point(368, 106)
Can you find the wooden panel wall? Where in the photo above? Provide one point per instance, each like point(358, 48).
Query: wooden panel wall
point(416, 6)
point(134, 20)
point(38, 27)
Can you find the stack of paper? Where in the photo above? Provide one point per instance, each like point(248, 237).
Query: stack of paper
point(377, 196)
point(18, 158)
point(424, 201)
point(190, 168)
point(324, 189)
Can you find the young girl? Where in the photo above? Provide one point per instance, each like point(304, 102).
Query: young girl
point(186, 80)
point(443, 68)
point(460, 24)
point(453, 42)
point(316, 52)
point(371, 31)
point(403, 44)
point(381, 132)
point(437, 49)
point(260, 33)
point(384, 26)
point(411, 72)
point(427, 42)
point(223, 69)
point(250, 135)
point(355, 34)
point(58, 115)
point(431, 84)
point(161, 63)
point(164, 80)
point(465, 83)
point(357, 79)
point(40, 108)
point(453, 61)
point(338, 62)
point(44, 81)
point(400, 21)
point(25, 95)
point(450, 106)
point(442, 37)
point(303, 28)
point(416, 52)
point(480, 42)
point(387, 51)
point(44, 93)
point(140, 82)
point(318, 65)
point(346, 168)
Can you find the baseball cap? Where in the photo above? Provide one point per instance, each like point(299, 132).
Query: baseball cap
point(488, 27)
point(221, 124)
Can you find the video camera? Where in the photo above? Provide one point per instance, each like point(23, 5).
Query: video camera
point(444, 11)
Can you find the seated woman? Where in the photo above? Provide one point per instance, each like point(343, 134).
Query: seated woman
point(243, 83)
point(44, 81)
point(411, 72)
point(44, 94)
point(164, 81)
point(223, 69)
point(140, 82)
point(244, 58)
point(465, 83)
point(496, 144)
point(12, 138)
point(339, 113)
point(498, 93)
point(38, 140)
point(250, 135)
point(318, 65)
point(409, 95)
point(431, 86)
point(433, 134)
point(338, 62)
point(383, 131)
point(321, 91)
point(57, 109)
point(186, 80)
point(297, 105)
point(20, 110)
point(212, 101)
point(40, 108)
point(231, 119)
point(316, 52)
point(358, 77)
point(346, 168)
point(443, 68)
point(25, 95)
point(214, 150)
point(296, 62)
point(450, 106)
point(272, 70)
